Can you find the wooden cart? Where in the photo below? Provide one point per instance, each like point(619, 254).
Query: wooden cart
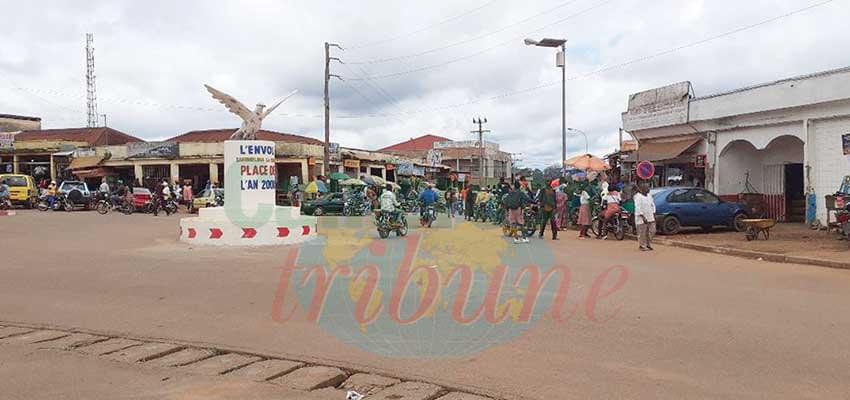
point(754, 227)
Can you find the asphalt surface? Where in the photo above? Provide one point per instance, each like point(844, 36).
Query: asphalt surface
point(684, 324)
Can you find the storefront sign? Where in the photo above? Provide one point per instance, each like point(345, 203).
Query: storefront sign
point(434, 157)
point(153, 150)
point(350, 163)
point(659, 107)
point(645, 170)
point(699, 161)
point(7, 140)
point(410, 169)
point(461, 178)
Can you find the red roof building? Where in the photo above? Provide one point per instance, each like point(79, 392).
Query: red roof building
point(91, 136)
point(220, 135)
point(422, 143)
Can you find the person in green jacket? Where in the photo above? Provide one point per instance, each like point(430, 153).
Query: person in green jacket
point(547, 210)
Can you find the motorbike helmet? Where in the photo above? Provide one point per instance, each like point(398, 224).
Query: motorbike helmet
point(555, 183)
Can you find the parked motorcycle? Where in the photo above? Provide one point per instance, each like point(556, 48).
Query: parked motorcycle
point(480, 213)
point(385, 223)
point(429, 215)
point(104, 206)
point(170, 206)
point(530, 215)
point(356, 206)
point(614, 225)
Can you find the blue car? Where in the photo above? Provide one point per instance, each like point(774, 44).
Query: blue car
point(676, 207)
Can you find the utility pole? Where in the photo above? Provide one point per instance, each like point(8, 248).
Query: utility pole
point(91, 89)
point(104, 120)
point(481, 169)
point(326, 162)
point(561, 61)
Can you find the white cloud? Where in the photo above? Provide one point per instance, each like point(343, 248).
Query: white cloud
point(163, 52)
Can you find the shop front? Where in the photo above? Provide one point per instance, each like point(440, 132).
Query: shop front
point(679, 161)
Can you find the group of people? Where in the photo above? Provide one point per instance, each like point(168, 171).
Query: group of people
point(592, 192)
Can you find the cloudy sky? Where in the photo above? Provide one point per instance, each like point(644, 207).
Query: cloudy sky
point(410, 67)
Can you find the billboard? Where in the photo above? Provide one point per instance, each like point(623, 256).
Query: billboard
point(664, 106)
point(7, 140)
point(153, 150)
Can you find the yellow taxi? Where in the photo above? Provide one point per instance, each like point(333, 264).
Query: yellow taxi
point(208, 198)
point(22, 189)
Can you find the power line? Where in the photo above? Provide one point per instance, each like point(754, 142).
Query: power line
point(423, 29)
point(487, 49)
point(480, 99)
point(465, 41)
point(626, 63)
point(375, 86)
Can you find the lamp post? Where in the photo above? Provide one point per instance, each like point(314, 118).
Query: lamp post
point(561, 62)
point(586, 147)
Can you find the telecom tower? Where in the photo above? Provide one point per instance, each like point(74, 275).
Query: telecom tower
point(91, 89)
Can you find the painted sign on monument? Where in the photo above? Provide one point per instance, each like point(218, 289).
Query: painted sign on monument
point(250, 180)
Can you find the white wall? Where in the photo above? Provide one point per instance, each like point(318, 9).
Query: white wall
point(733, 163)
point(785, 94)
point(829, 164)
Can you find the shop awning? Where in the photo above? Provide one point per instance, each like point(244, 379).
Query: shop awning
point(85, 162)
point(93, 173)
point(665, 149)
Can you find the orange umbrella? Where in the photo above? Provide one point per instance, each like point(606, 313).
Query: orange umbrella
point(587, 162)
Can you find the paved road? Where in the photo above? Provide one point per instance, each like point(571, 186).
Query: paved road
point(684, 325)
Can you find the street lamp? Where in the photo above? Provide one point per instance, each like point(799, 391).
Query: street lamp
point(561, 62)
point(586, 147)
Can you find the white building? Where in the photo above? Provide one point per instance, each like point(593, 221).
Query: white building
point(784, 139)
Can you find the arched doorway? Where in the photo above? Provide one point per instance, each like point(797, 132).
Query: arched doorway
point(775, 171)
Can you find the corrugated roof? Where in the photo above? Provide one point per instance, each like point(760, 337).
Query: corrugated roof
point(22, 117)
point(91, 136)
point(424, 142)
point(220, 135)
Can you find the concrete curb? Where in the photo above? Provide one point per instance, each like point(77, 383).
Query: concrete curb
point(126, 340)
point(754, 255)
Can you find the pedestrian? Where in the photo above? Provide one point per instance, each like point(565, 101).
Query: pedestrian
point(469, 204)
point(584, 212)
point(561, 200)
point(515, 200)
point(51, 194)
point(644, 217)
point(548, 203)
point(188, 196)
point(451, 198)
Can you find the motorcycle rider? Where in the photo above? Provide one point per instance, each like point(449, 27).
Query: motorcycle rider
point(51, 194)
point(427, 198)
point(103, 190)
point(611, 207)
point(389, 203)
point(164, 194)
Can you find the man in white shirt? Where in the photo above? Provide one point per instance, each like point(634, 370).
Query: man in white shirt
point(389, 202)
point(644, 217)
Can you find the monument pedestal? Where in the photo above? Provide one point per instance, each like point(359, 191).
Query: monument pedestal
point(249, 216)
